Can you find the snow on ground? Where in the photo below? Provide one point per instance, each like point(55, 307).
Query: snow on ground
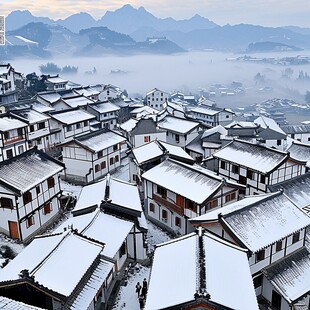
point(127, 298)
point(9, 248)
point(70, 189)
point(122, 173)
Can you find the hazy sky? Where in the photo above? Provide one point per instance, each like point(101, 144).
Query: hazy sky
point(260, 12)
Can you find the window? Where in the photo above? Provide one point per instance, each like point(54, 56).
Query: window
point(78, 125)
point(30, 221)
point(278, 142)
point(115, 147)
point(31, 128)
point(97, 168)
point(152, 207)
point(20, 149)
point(223, 165)
point(9, 154)
point(147, 139)
point(38, 189)
point(103, 165)
point(180, 201)
point(296, 237)
point(263, 179)
point(233, 196)
point(41, 125)
point(177, 221)
point(258, 281)
point(111, 161)
point(260, 255)
point(100, 154)
point(164, 215)
point(39, 141)
point(190, 205)
point(6, 135)
point(308, 138)
point(227, 198)
point(162, 191)
point(116, 158)
point(50, 182)
point(47, 208)
point(85, 123)
point(235, 169)
point(250, 174)
point(69, 128)
point(177, 138)
point(27, 197)
point(6, 203)
point(278, 246)
point(20, 132)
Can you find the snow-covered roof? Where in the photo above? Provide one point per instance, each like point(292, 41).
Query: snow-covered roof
point(9, 304)
point(92, 287)
point(104, 107)
point(72, 117)
point(87, 91)
point(50, 97)
point(9, 123)
point(217, 129)
point(236, 124)
point(98, 226)
point(262, 223)
point(175, 281)
point(177, 124)
point(129, 125)
point(155, 90)
point(77, 101)
point(43, 256)
point(56, 80)
point(28, 170)
point(93, 194)
point(32, 116)
point(4, 69)
point(196, 184)
point(291, 275)
point(100, 140)
point(176, 151)
point(147, 152)
point(295, 129)
point(300, 152)
point(145, 109)
point(253, 156)
point(297, 189)
point(266, 122)
point(40, 107)
point(205, 110)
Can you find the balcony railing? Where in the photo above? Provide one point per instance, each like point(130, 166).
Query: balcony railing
point(168, 203)
point(13, 140)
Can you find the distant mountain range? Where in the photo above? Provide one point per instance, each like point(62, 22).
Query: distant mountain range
point(130, 30)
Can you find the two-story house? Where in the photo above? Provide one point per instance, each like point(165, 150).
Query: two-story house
point(106, 113)
point(156, 98)
point(175, 192)
point(29, 193)
point(300, 133)
point(91, 92)
point(254, 165)
point(179, 131)
point(8, 80)
point(56, 83)
point(91, 156)
point(273, 229)
point(13, 136)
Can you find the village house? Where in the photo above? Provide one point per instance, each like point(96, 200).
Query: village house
point(273, 229)
point(300, 133)
point(69, 124)
point(139, 132)
point(91, 92)
point(106, 113)
point(13, 136)
point(109, 92)
point(155, 98)
point(31, 103)
point(38, 132)
point(300, 152)
point(146, 156)
point(74, 101)
point(29, 194)
point(175, 192)
point(83, 281)
point(203, 276)
point(91, 156)
point(180, 132)
point(143, 112)
point(55, 83)
point(254, 165)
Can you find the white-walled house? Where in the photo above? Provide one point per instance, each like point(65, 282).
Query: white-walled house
point(204, 272)
point(273, 229)
point(29, 193)
point(156, 98)
point(90, 92)
point(8, 79)
point(55, 83)
point(179, 131)
point(300, 133)
point(254, 165)
point(175, 192)
point(69, 124)
point(91, 156)
point(106, 113)
point(38, 130)
point(74, 101)
point(13, 136)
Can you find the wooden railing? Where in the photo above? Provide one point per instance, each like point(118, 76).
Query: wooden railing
point(168, 203)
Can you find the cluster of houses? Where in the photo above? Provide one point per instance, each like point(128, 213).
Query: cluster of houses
point(235, 194)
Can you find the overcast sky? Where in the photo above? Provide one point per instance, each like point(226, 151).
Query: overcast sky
point(259, 12)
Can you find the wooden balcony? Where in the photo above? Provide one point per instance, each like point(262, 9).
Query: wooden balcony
point(13, 140)
point(168, 203)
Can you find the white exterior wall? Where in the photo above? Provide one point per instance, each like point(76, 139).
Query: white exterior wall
point(156, 99)
point(138, 140)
